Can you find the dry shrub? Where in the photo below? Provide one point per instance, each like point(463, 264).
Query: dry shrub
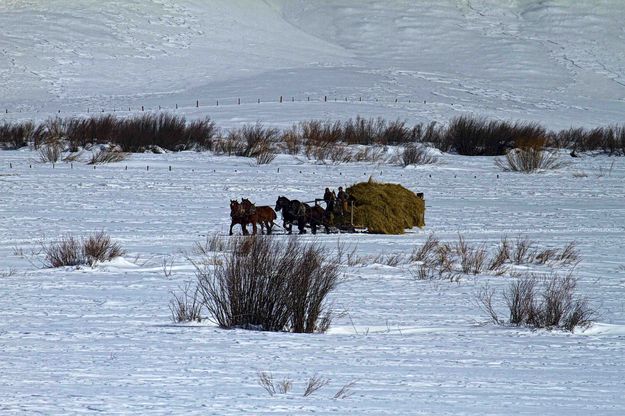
point(51, 131)
point(541, 303)
point(107, 156)
point(424, 253)
point(265, 157)
point(472, 136)
point(610, 139)
point(545, 256)
point(521, 252)
point(50, 153)
point(501, 256)
point(569, 254)
point(292, 141)
point(257, 138)
point(16, 135)
point(213, 243)
point(69, 251)
point(417, 155)
point(231, 145)
point(362, 131)
point(334, 153)
point(270, 285)
point(99, 247)
point(315, 383)
point(371, 154)
point(272, 386)
point(529, 160)
point(185, 305)
point(65, 252)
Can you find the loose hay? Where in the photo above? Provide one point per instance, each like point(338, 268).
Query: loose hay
point(386, 208)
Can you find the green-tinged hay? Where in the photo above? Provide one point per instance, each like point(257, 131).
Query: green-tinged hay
point(386, 208)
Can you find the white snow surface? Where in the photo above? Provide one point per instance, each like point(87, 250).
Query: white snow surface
point(558, 62)
point(101, 339)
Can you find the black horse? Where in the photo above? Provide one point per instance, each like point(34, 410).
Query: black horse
point(294, 211)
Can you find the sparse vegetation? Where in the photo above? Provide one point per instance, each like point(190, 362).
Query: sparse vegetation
point(16, 135)
point(416, 155)
point(69, 251)
point(549, 302)
point(186, 305)
point(50, 153)
point(323, 140)
point(314, 383)
point(107, 156)
point(529, 160)
point(436, 259)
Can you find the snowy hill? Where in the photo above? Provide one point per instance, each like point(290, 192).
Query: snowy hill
point(558, 62)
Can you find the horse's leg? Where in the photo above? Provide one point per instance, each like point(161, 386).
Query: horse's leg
point(254, 230)
point(244, 228)
point(231, 225)
point(269, 225)
point(301, 225)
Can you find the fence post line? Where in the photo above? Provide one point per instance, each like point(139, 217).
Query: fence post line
point(239, 101)
point(217, 103)
point(197, 103)
point(325, 98)
point(141, 108)
point(280, 98)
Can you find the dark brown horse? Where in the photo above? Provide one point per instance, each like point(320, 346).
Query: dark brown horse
point(263, 215)
point(239, 216)
point(294, 211)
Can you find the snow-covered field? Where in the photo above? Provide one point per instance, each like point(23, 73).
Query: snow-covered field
point(102, 339)
point(86, 340)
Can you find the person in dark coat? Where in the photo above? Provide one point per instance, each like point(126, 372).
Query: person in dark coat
point(342, 199)
point(329, 199)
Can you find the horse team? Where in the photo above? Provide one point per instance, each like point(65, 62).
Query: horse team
point(293, 212)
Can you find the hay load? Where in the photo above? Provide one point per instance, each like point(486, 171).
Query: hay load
point(386, 208)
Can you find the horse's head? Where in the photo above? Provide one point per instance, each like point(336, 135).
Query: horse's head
point(236, 209)
point(247, 206)
point(282, 202)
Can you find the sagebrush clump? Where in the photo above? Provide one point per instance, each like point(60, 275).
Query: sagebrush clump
point(70, 251)
point(269, 284)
